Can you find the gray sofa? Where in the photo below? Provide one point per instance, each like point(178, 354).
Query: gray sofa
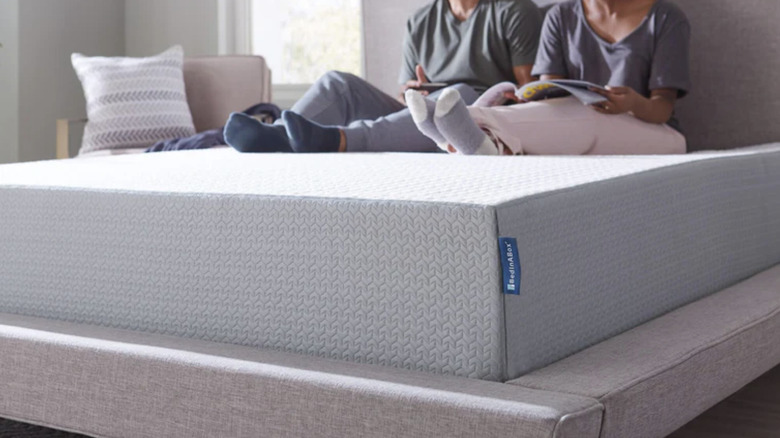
point(646, 382)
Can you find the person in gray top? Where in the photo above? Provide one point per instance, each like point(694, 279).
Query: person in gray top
point(494, 43)
point(637, 48)
point(467, 44)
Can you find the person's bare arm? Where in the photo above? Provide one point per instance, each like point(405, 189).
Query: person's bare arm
point(523, 74)
point(658, 108)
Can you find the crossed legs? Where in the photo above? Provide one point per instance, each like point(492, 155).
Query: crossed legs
point(340, 109)
point(561, 126)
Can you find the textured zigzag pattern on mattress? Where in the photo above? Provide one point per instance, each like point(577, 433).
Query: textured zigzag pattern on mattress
point(371, 282)
point(134, 102)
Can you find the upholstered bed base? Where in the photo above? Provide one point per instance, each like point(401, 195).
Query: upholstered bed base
point(644, 383)
point(113, 383)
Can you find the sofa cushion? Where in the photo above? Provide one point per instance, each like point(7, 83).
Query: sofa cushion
point(133, 102)
point(219, 85)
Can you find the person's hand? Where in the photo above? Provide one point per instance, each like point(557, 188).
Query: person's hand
point(421, 79)
point(620, 100)
point(511, 96)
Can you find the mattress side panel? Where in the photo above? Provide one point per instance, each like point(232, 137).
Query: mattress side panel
point(409, 285)
point(602, 258)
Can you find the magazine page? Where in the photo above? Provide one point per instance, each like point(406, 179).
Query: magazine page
point(540, 90)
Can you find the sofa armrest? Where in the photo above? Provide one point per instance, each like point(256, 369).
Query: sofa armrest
point(63, 133)
point(219, 85)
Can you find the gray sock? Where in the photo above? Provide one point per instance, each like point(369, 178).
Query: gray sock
point(247, 134)
point(422, 110)
point(453, 120)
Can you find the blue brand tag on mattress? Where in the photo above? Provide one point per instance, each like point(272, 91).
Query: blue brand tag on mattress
point(510, 264)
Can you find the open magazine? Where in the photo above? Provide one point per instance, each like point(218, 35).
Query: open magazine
point(561, 87)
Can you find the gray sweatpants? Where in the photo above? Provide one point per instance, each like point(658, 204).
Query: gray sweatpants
point(372, 120)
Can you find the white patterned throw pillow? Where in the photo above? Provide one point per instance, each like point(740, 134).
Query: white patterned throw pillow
point(133, 102)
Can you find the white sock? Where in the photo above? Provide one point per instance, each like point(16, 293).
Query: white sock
point(454, 122)
point(422, 113)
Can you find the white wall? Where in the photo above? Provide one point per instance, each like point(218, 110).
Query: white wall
point(9, 81)
point(154, 25)
point(384, 25)
point(49, 31)
point(37, 82)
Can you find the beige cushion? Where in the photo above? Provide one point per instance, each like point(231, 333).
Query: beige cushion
point(219, 85)
point(133, 102)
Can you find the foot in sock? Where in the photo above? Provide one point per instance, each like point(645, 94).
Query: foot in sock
point(453, 120)
point(422, 110)
point(307, 136)
point(247, 134)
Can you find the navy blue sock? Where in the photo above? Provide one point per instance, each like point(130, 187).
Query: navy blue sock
point(247, 134)
point(307, 136)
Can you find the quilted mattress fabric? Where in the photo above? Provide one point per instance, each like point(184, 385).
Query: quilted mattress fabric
point(390, 259)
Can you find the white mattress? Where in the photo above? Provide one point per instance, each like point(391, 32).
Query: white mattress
point(485, 181)
point(381, 258)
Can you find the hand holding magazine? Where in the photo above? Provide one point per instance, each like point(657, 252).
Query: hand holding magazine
point(540, 90)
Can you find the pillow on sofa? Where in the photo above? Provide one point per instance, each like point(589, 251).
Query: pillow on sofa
point(133, 102)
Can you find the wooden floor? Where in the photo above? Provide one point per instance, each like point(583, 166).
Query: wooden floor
point(12, 429)
point(753, 412)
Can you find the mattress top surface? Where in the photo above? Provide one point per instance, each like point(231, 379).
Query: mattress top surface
point(438, 178)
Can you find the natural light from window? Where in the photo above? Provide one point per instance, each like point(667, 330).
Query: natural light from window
point(302, 39)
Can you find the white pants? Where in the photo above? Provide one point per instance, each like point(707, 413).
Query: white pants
point(567, 127)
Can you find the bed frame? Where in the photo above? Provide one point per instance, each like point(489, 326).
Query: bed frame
point(646, 382)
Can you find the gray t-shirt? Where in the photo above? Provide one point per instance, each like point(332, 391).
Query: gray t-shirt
point(653, 56)
point(481, 51)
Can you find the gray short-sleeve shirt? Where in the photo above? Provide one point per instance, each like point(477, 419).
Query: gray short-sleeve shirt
point(653, 56)
point(481, 51)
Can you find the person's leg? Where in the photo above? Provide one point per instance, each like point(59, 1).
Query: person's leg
point(626, 135)
point(496, 95)
point(567, 127)
point(457, 127)
point(422, 111)
point(338, 99)
point(396, 132)
point(334, 99)
point(246, 134)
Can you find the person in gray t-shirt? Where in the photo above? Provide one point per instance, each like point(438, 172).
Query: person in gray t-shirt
point(637, 48)
point(467, 44)
point(497, 42)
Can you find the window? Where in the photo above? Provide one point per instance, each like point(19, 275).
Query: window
point(302, 39)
